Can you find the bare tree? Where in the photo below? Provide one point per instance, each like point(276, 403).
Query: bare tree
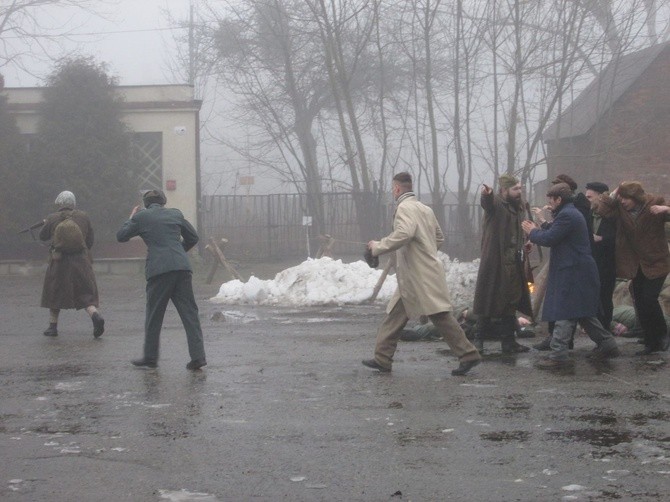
point(28, 32)
point(269, 59)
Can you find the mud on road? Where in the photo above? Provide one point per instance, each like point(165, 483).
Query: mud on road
point(285, 411)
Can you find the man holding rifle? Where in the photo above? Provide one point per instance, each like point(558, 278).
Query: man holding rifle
point(69, 282)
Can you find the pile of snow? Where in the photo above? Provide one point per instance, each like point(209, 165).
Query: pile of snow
point(325, 281)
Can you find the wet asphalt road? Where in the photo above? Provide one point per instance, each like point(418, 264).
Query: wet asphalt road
point(285, 411)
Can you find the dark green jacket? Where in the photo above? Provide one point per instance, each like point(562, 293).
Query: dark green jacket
point(166, 233)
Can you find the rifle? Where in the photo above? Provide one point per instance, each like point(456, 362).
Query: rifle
point(33, 227)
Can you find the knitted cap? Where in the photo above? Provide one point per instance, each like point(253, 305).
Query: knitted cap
point(507, 181)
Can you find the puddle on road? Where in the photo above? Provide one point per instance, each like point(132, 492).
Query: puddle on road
point(641, 395)
point(429, 437)
point(595, 437)
point(504, 436)
point(601, 418)
point(644, 418)
point(52, 372)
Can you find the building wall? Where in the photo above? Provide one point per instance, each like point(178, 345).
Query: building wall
point(630, 142)
point(168, 109)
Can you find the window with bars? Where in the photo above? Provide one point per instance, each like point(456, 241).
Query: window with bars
point(147, 153)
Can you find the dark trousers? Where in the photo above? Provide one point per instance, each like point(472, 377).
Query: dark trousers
point(607, 285)
point(649, 313)
point(175, 286)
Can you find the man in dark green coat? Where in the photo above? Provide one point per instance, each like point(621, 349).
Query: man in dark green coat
point(168, 237)
point(501, 288)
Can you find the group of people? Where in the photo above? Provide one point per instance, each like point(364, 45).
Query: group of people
point(69, 281)
point(593, 239)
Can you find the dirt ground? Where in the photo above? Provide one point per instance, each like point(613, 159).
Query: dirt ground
point(285, 411)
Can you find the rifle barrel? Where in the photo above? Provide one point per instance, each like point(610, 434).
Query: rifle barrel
point(33, 227)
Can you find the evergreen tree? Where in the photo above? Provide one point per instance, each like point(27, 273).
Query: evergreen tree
point(83, 146)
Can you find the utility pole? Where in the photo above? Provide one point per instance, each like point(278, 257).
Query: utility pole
point(191, 46)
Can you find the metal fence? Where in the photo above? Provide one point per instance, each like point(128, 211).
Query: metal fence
point(270, 227)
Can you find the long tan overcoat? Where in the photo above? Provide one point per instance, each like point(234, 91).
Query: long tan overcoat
point(416, 235)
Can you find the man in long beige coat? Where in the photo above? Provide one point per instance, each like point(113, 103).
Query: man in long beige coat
point(422, 285)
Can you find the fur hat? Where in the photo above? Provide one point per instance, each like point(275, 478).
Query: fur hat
point(631, 190)
point(597, 186)
point(154, 197)
point(564, 178)
point(507, 181)
point(560, 190)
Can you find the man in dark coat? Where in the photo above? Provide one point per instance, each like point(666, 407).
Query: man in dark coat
point(168, 236)
point(581, 202)
point(573, 286)
point(602, 248)
point(642, 255)
point(69, 282)
point(583, 205)
point(501, 288)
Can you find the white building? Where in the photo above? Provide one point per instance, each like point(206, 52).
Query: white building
point(164, 120)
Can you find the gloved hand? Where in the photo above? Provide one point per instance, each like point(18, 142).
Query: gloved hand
point(372, 261)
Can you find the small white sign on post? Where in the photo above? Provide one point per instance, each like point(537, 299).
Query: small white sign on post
point(307, 222)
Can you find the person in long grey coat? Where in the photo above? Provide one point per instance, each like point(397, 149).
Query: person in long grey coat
point(573, 286)
point(168, 236)
point(69, 282)
point(422, 285)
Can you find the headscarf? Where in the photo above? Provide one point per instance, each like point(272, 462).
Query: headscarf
point(66, 199)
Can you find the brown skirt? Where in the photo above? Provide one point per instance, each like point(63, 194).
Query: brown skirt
point(69, 282)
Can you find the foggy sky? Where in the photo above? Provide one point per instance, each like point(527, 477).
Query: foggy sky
point(130, 36)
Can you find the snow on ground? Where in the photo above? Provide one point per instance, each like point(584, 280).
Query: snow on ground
point(325, 281)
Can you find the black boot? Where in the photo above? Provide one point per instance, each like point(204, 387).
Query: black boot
point(481, 330)
point(98, 325)
point(52, 330)
point(508, 344)
point(545, 344)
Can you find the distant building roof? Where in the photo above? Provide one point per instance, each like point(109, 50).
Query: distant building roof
point(601, 94)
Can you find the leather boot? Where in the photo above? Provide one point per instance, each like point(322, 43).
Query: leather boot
point(545, 344)
point(482, 329)
point(508, 344)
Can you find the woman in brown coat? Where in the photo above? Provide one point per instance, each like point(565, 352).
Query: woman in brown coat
point(69, 282)
point(641, 254)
